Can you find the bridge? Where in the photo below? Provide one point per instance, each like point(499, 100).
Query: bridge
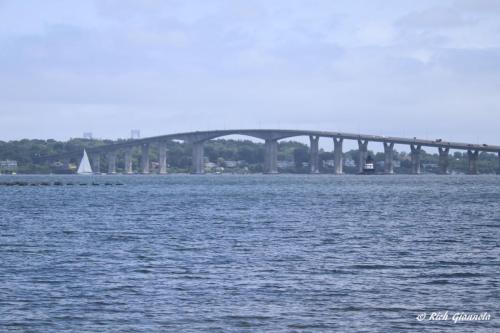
point(271, 138)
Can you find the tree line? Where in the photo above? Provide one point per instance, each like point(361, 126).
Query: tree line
point(248, 154)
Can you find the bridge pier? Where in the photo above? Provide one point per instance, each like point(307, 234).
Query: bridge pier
point(198, 165)
point(162, 155)
point(415, 159)
point(128, 160)
point(388, 155)
point(145, 158)
point(363, 152)
point(472, 156)
point(96, 163)
point(314, 159)
point(337, 155)
point(271, 156)
point(444, 160)
point(111, 156)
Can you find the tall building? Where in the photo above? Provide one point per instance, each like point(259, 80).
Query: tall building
point(135, 134)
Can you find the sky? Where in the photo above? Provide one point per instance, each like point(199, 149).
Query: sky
point(426, 69)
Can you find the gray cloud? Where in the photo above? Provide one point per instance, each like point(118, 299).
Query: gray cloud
point(392, 68)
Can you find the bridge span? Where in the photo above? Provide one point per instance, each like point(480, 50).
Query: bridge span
point(271, 138)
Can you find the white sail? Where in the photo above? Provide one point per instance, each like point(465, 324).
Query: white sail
point(84, 167)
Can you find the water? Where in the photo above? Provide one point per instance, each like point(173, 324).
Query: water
point(286, 253)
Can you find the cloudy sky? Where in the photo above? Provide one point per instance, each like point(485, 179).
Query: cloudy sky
point(429, 69)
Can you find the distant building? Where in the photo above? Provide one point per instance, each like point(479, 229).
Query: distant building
point(230, 164)
point(135, 134)
point(210, 165)
point(8, 166)
point(285, 164)
point(87, 135)
point(329, 163)
point(430, 165)
point(349, 162)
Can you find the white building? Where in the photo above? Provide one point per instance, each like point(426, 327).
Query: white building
point(210, 165)
point(8, 165)
point(230, 164)
point(349, 162)
point(329, 163)
point(286, 164)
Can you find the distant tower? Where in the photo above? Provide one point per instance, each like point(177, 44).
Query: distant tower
point(135, 134)
point(87, 135)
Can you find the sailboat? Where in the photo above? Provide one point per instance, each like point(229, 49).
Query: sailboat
point(84, 168)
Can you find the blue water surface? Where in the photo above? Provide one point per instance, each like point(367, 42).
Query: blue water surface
point(249, 253)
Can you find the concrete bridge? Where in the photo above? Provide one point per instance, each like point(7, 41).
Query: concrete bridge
point(271, 137)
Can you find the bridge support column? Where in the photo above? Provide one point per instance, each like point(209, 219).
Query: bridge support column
point(128, 161)
point(337, 155)
point(363, 152)
point(145, 158)
point(314, 158)
point(271, 156)
point(388, 158)
point(198, 166)
point(111, 156)
point(96, 163)
point(443, 160)
point(472, 161)
point(162, 156)
point(415, 159)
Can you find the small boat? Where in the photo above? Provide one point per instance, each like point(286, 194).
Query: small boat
point(369, 167)
point(84, 168)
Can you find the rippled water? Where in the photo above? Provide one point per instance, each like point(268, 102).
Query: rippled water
point(182, 253)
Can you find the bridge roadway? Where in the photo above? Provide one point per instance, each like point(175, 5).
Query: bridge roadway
point(271, 137)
